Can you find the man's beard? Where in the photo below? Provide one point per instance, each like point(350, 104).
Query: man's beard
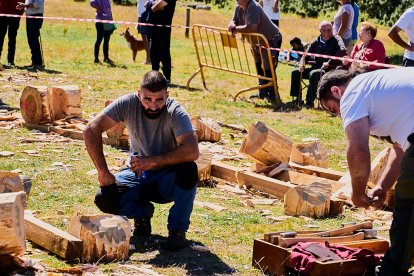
point(153, 114)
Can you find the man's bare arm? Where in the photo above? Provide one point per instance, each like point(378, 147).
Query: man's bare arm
point(359, 162)
point(395, 36)
point(251, 28)
point(186, 151)
point(93, 142)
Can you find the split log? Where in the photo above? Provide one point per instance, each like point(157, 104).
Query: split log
point(12, 238)
point(204, 165)
point(64, 102)
point(206, 129)
point(105, 237)
point(51, 238)
point(34, 105)
point(13, 182)
point(265, 145)
point(118, 129)
point(311, 201)
point(302, 179)
point(311, 153)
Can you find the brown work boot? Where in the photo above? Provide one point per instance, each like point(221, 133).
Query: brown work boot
point(176, 240)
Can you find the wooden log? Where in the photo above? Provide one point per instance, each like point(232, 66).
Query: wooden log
point(13, 182)
point(265, 145)
point(250, 179)
point(51, 238)
point(105, 237)
point(204, 165)
point(12, 239)
point(306, 179)
point(64, 102)
point(311, 153)
point(118, 129)
point(34, 105)
point(206, 129)
point(321, 172)
point(310, 201)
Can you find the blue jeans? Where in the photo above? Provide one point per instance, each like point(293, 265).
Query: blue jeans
point(132, 196)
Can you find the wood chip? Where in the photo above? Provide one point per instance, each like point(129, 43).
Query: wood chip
point(50, 169)
point(200, 248)
point(30, 151)
point(311, 226)
point(210, 206)
point(261, 201)
point(92, 172)
point(6, 153)
point(58, 164)
point(17, 171)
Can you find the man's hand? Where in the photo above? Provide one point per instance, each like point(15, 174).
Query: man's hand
point(361, 200)
point(141, 163)
point(411, 47)
point(105, 178)
point(232, 28)
point(378, 196)
point(325, 65)
point(20, 6)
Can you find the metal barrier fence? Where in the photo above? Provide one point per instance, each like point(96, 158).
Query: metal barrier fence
point(216, 48)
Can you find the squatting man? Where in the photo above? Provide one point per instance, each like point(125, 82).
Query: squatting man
point(162, 168)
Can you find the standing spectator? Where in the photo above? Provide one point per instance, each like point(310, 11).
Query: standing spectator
point(354, 27)
point(249, 17)
point(272, 10)
point(326, 44)
point(33, 26)
point(10, 25)
point(103, 12)
point(370, 49)
point(405, 23)
point(162, 14)
point(343, 19)
point(143, 30)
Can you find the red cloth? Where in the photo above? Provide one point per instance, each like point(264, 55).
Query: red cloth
point(303, 260)
point(374, 51)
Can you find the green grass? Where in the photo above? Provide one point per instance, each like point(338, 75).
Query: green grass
point(58, 195)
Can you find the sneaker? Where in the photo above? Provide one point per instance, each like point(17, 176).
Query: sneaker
point(176, 240)
point(11, 65)
point(97, 61)
point(142, 227)
point(309, 106)
point(107, 60)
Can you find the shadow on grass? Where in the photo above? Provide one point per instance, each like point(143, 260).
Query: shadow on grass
point(194, 261)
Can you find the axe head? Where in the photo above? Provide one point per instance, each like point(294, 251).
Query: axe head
point(369, 233)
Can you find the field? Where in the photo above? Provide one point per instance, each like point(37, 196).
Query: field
point(59, 194)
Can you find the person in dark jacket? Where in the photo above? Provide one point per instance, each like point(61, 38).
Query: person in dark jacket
point(327, 44)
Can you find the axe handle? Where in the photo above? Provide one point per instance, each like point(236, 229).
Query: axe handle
point(341, 231)
point(286, 242)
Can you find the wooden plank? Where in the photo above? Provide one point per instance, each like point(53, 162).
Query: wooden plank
point(52, 238)
point(270, 258)
point(379, 246)
point(250, 179)
point(321, 172)
point(306, 180)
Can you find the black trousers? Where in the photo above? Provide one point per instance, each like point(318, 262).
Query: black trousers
point(101, 34)
point(160, 50)
point(408, 62)
point(33, 26)
point(9, 25)
point(314, 75)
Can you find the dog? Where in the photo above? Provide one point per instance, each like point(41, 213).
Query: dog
point(134, 44)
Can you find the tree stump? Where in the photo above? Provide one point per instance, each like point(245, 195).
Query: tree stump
point(13, 182)
point(12, 238)
point(311, 153)
point(310, 201)
point(265, 145)
point(34, 105)
point(64, 102)
point(105, 237)
point(118, 130)
point(204, 165)
point(206, 129)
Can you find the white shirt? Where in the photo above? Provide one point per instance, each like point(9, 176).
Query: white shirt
point(141, 6)
point(268, 9)
point(386, 96)
point(338, 19)
point(406, 23)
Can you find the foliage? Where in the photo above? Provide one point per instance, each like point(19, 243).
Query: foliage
point(386, 12)
point(125, 2)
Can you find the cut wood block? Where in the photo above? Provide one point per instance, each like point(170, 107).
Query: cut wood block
point(306, 179)
point(311, 201)
point(118, 129)
point(12, 239)
point(250, 179)
point(265, 145)
point(51, 238)
point(210, 206)
point(311, 153)
point(321, 172)
point(379, 246)
point(206, 129)
point(13, 182)
point(204, 165)
point(282, 167)
point(105, 237)
point(64, 102)
point(34, 105)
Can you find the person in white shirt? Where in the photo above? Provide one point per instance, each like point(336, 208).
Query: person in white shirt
point(343, 20)
point(272, 10)
point(406, 24)
point(380, 104)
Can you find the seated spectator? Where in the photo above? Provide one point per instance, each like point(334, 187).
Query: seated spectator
point(327, 44)
point(370, 49)
point(297, 45)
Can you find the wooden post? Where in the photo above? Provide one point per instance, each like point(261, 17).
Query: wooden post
point(187, 23)
point(12, 238)
point(206, 129)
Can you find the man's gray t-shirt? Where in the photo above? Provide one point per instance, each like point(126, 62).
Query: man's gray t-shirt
point(255, 15)
point(150, 137)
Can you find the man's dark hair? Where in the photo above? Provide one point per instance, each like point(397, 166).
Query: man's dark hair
point(296, 40)
point(333, 78)
point(154, 81)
